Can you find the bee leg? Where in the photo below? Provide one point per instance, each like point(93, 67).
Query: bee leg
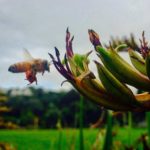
point(36, 82)
point(43, 72)
point(29, 83)
point(33, 69)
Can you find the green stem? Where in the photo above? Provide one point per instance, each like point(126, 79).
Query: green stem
point(129, 128)
point(59, 127)
point(148, 125)
point(81, 138)
point(59, 139)
point(108, 137)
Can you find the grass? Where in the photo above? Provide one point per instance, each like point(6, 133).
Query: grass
point(48, 139)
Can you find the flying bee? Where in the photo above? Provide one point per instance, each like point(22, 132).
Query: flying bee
point(30, 67)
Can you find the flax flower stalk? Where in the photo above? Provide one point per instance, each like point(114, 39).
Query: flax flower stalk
point(110, 90)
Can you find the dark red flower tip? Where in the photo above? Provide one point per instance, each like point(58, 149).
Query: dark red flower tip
point(144, 46)
point(94, 38)
point(69, 44)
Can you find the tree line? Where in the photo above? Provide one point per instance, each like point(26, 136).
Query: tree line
point(44, 109)
point(39, 108)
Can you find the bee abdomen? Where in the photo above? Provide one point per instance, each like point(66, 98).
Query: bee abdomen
point(20, 67)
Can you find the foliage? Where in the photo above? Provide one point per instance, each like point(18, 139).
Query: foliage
point(3, 110)
point(110, 89)
point(43, 109)
point(48, 139)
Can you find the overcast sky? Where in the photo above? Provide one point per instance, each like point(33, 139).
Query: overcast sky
point(40, 25)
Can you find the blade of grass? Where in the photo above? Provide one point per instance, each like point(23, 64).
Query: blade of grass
point(81, 138)
point(108, 137)
point(129, 128)
point(148, 125)
point(59, 128)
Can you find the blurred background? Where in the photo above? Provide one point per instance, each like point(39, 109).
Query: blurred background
point(40, 25)
point(49, 115)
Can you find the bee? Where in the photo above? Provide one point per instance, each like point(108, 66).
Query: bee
point(30, 67)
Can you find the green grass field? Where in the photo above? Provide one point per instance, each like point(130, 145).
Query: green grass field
point(67, 139)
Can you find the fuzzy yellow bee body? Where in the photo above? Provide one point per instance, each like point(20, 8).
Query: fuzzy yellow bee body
point(38, 65)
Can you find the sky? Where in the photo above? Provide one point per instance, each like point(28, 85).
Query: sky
point(39, 26)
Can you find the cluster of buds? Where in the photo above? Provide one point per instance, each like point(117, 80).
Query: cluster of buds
point(110, 90)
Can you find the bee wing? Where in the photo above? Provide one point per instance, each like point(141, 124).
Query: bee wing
point(27, 55)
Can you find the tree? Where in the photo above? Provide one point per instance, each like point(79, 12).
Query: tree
point(3, 109)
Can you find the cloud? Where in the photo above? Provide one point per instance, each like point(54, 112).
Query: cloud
point(40, 25)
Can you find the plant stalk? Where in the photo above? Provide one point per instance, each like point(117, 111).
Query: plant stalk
point(81, 137)
point(108, 137)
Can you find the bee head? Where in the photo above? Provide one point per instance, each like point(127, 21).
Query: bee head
point(46, 65)
point(12, 68)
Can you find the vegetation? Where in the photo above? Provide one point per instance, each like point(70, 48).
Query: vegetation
point(46, 109)
point(4, 109)
point(43, 109)
point(48, 139)
point(110, 90)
